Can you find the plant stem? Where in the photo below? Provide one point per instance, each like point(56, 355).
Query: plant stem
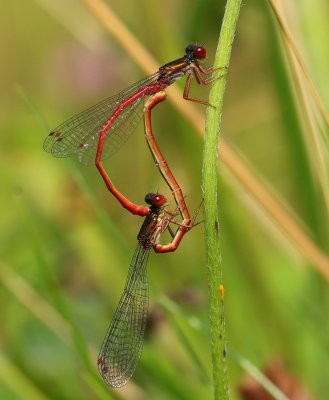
point(210, 185)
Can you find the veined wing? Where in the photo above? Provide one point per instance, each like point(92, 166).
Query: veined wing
point(123, 342)
point(78, 136)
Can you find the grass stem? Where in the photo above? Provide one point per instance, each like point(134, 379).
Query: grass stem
point(210, 185)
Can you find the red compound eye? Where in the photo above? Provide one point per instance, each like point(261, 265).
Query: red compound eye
point(159, 200)
point(200, 52)
point(155, 199)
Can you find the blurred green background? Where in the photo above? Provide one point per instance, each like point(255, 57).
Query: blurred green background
point(66, 244)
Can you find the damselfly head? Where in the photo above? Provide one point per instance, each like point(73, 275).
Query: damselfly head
point(195, 52)
point(155, 199)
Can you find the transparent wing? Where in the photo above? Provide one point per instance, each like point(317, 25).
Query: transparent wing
point(78, 136)
point(123, 342)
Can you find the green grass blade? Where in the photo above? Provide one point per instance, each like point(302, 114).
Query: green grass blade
point(210, 184)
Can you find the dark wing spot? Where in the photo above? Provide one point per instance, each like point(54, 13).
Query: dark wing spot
point(54, 133)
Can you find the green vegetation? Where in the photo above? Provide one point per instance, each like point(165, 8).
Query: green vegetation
point(65, 244)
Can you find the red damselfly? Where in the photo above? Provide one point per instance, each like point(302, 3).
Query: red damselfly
point(99, 131)
point(123, 342)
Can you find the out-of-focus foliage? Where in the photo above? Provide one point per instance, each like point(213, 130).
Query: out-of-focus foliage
point(66, 237)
